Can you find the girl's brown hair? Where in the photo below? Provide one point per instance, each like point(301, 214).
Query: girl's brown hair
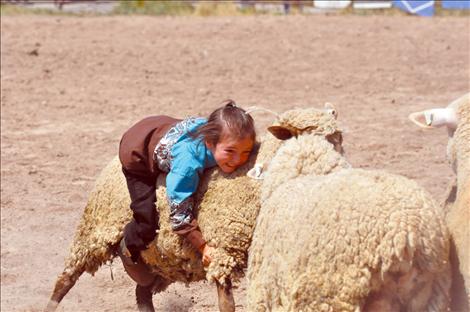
point(228, 119)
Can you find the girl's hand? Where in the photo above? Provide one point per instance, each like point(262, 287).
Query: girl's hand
point(207, 254)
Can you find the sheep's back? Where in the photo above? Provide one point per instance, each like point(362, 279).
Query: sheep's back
point(321, 241)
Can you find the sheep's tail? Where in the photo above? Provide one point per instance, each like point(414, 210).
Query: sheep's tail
point(251, 109)
point(99, 232)
point(64, 283)
point(81, 260)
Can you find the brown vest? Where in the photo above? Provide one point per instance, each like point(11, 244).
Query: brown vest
point(138, 144)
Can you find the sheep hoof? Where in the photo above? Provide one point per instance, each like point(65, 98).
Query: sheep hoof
point(225, 294)
point(143, 296)
point(64, 283)
point(51, 306)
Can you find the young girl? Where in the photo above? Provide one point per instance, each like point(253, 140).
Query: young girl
point(183, 149)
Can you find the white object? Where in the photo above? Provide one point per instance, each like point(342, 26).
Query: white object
point(372, 5)
point(332, 4)
point(256, 172)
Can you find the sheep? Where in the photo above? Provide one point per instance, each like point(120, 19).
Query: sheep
point(333, 238)
point(227, 207)
point(456, 117)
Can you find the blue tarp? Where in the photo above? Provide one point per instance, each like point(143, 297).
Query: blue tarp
point(455, 4)
point(421, 8)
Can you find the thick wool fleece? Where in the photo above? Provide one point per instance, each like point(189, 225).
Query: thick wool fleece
point(458, 217)
point(307, 154)
point(330, 238)
point(308, 120)
point(228, 205)
point(103, 220)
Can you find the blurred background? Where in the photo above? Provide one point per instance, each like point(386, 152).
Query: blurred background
point(217, 7)
point(76, 74)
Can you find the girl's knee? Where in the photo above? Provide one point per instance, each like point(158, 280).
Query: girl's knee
point(138, 271)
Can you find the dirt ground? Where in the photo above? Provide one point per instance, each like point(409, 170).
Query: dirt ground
point(70, 86)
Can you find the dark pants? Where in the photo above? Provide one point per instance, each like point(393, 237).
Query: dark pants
point(138, 270)
point(142, 228)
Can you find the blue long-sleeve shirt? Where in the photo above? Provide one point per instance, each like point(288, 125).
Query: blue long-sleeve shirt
point(185, 159)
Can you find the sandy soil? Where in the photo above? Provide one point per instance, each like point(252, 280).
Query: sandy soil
point(71, 86)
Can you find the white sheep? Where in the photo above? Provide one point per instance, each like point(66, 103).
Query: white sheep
point(332, 238)
point(456, 118)
point(227, 207)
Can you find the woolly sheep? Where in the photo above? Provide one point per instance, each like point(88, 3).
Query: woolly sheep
point(332, 238)
point(456, 117)
point(227, 209)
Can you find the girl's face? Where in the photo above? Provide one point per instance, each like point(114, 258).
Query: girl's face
point(230, 153)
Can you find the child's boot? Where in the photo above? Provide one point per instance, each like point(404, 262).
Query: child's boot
point(143, 295)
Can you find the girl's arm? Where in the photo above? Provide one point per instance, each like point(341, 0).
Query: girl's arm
point(180, 189)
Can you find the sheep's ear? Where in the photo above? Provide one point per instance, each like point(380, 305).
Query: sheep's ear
point(337, 140)
point(280, 132)
point(331, 109)
point(433, 118)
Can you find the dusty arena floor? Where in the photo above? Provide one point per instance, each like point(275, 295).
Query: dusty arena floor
point(71, 86)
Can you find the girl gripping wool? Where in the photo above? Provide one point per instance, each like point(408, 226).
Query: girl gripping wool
point(183, 149)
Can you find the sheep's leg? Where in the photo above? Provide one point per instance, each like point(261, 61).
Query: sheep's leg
point(459, 301)
point(225, 294)
point(64, 283)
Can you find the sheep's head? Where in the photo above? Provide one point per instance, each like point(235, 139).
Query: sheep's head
point(299, 122)
point(294, 123)
point(455, 117)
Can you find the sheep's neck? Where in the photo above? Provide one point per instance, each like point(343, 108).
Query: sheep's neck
point(305, 155)
point(329, 161)
point(314, 155)
point(311, 155)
